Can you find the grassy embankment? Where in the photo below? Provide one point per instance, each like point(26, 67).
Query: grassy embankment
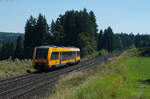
point(124, 77)
point(10, 68)
point(96, 53)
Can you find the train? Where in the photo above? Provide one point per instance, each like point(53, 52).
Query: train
point(47, 57)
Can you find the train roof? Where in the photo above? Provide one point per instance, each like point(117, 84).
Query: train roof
point(53, 46)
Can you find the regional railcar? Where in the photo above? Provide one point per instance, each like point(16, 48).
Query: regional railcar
point(46, 57)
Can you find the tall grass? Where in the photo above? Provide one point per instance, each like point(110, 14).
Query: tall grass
point(10, 68)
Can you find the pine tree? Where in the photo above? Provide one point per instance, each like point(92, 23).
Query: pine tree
point(7, 50)
point(29, 37)
point(117, 44)
point(58, 33)
point(42, 31)
point(100, 40)
point(94, 29)
point(36, 34)
point(108, 39)
point(18, 53)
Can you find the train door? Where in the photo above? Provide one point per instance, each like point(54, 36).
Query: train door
point(55, 58)
point(75, 56)
point(60, 55)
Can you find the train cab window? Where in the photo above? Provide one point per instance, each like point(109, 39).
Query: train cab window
point(55, 56)
point(41, 53)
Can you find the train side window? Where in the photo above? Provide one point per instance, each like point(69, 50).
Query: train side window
point(55, 56)
point(78, 53)
point(73, 55)
point(64, 56)
point(68, 55)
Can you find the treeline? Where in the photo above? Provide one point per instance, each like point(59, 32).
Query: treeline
point(111, 41)
point(12, 49)
point(139, 40)
point(9, 36)
point(74, 28)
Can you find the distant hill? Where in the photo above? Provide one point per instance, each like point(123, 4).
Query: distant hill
point(10, 36)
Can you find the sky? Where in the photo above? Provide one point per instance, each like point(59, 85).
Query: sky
point(122, 15)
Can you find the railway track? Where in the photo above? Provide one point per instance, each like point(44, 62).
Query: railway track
point(35, 85)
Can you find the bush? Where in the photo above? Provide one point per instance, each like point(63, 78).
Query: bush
point(103, 52)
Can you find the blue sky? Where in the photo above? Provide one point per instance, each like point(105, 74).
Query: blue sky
point(122, 15)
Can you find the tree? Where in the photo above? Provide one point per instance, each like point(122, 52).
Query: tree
point(7, 50)
point(94, 29)
point(29, 37)
point(108, 39)
point(73, 26)
point(85, 45)
point(100, 40)
point(117, 44)
point(18, 53)
point(57, 31)
point(42, 31)
point(36, 34)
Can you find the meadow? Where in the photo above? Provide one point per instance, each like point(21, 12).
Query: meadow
point(123, 77)
point(14, 67)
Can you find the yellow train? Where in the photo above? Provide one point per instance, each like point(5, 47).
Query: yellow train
point(46, 57)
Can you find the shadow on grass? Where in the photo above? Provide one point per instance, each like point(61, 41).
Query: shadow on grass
point(147, 81)
point(145, 52)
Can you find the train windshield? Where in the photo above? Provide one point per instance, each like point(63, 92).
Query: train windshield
point(41, 53)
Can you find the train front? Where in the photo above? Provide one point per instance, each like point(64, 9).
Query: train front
point(40, 60)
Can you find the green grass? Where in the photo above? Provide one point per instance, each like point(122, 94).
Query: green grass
point(137, 84)
point(94, 54)
point(125, 77)
point(10, 68)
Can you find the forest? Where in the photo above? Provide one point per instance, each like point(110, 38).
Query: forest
point(74, 28)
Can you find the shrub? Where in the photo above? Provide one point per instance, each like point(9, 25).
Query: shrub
point(103, 52)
